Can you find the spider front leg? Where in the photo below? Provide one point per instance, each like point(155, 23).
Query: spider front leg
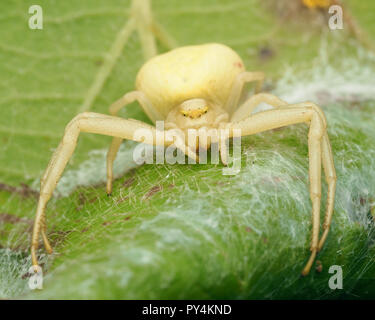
point(298, 113)
point(85, 122)
point(330, 173)
point(245, 110)
point(150, 111)
point(154, 115)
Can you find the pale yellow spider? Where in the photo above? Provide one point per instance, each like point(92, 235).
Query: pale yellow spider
point(198, 87)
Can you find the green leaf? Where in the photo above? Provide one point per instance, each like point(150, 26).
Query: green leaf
point(183, 231)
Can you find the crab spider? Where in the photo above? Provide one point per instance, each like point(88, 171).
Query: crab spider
point(198, 87)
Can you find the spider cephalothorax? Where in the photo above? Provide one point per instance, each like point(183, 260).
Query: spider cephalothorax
point(198, 87)
point(200, 116)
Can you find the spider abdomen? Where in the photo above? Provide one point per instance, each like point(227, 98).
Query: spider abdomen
point(203, 71)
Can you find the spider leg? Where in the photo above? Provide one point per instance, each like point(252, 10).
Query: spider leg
point(163, 36)
point(238, 84)
point(330, 172)
point(84, 122)
point(250, 104)
point(43, 231)
point(143, 14)
point(139, 96)
point(149, 29)
point(47, 245)
point(298, 113)
point(327, 158)
point(150, 111)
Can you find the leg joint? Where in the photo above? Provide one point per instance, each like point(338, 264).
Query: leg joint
point(74, 124)
point(331, 179)
point(315, 195)
point(316, 127)
point(318, 111)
